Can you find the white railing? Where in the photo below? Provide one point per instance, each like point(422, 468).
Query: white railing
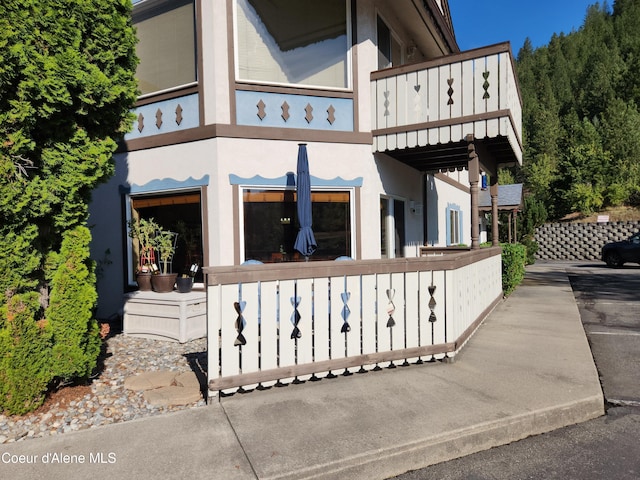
point(444, 100)
point(280, 323)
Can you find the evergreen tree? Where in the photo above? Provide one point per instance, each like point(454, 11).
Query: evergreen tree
point(25, 347)
point(67, 85)
point(74, 331)
point(580, 115)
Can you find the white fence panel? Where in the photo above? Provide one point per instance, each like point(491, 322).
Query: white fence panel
point(249, 333)
point(412, 312)
point(339, 318)
point(493, 101)
point(479, 73)
point(213, 336)
point(457, 86)
point(401, 100)
point(444, 78)
point(369, 316)
point(321, 343)
point(386, 310)
point(397, 332)
point(337, 337)
point(304, 344)
point(268, 327)
point(229, 352)
point(467, 88)
point(354, 321)
point(286, 345)
point(434, 92)
point(421, 97)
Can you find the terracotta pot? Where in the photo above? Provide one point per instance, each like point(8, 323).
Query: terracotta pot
point(163, 282)
point(144, 281)
point(184, 284)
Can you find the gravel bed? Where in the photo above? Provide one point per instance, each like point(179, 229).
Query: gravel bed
point(108, 401)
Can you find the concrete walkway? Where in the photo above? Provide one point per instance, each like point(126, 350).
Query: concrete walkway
point(527, 370)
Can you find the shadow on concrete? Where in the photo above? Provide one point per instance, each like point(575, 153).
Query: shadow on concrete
point(545, 278)
point(610, 286)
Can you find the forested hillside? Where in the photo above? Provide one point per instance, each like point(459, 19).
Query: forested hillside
point(581, 121)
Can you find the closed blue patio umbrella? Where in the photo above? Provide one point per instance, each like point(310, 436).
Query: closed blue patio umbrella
point(305, 241)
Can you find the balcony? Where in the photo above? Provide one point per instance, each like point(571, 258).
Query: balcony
point(425, 114)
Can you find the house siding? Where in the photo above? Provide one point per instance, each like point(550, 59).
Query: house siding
point(220, 136)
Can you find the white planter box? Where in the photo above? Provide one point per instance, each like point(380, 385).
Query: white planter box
point(172, 316)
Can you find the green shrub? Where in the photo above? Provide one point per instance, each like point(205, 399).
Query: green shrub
point(585, 198)
point(532, 248)
point(25, 354)
point(634, 197)
point(74, 330)
point(513, 262)
point(616, 194)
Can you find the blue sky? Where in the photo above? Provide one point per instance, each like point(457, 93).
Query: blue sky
point(478, 23)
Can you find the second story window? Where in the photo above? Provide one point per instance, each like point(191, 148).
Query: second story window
point(300, 42)
point(389, 49)
point(166, 44)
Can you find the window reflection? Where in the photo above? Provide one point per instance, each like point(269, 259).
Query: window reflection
point(271, 225)
point(293, 41)
point(166, 46)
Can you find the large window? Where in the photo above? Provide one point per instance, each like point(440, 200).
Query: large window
point(302, 42)
point(166, 46)
point(271, 224)
point(181, 214)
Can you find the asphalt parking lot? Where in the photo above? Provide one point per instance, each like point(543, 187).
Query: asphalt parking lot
point(609, 304)
point(608, 447)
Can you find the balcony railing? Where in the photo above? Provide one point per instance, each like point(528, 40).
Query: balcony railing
point(444, 100)
point(283, 323)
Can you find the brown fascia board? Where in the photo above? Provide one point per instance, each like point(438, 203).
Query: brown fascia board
point(443, 22)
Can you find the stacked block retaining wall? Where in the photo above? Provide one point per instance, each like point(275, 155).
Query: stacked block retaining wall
point(580, 241)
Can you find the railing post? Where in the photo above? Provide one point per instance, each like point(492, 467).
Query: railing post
point(493, 190)
point(474, 174)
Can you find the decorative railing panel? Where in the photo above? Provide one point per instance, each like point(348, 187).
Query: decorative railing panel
point(445, 99)
point(297, 321)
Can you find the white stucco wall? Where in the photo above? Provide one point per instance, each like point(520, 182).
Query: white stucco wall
point(218, 158)
point(440, 195)
point(215, 74)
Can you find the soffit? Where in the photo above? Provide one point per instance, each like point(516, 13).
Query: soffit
point(454, 155)
point(426, 25)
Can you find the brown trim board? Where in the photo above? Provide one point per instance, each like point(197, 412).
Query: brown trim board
point(231, 274)
point(240, 131)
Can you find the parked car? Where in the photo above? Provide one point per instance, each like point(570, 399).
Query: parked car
point(616, 254)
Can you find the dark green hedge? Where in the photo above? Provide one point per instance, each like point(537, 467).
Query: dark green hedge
point(514, 257)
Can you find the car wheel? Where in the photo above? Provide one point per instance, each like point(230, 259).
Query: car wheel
point(613, 259)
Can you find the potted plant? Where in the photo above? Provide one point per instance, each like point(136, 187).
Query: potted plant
point(164, 243)
point(184, 283)
point(144, 231)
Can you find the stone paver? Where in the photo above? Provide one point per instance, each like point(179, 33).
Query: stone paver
point(165, 396)
point(166, 388)
point(188, 380)
point(150, 380)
